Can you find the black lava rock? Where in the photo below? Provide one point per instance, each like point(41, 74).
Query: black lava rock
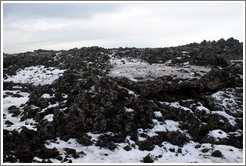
point(24, 153)
point(217, 153)
point(70, 151)
point(148, 159)
point(146, 145)
point(127, 148)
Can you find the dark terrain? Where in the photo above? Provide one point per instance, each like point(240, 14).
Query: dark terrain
point(96, 102)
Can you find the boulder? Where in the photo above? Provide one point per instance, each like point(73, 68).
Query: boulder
point(148, 159)
point(217, 153)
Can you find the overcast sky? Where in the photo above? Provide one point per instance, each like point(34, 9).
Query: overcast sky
point(30, 26)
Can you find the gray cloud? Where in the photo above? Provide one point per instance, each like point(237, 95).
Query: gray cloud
point(64, 26)
point(56, 10)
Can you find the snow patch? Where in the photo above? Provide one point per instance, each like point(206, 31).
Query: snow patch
point(36, 75)
point(202, 108)
point(228, 100)
point(50, 106)
point(136, 70)
point(217, 134)
point(46, 95)
point(177, 105)
point(158, 114)
point(230, 118)
point(129, 109)
point(14, 101)
point(172, 125)
point(49, 117)
point(189, 154)
point(168, 62)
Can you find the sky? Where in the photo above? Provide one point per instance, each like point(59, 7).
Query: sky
point(56, 26)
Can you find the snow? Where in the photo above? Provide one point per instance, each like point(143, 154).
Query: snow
point(167, 125)
point(15, 101)
point(217, 134)
point(136, 70)
point(157, 127)
point(226, 99)
point(186, 63)
point(202, 108)
point(57, 57)
point(65, 96)
point(132, 69)
point(94, 137)
point(49, 117)
point(172, 125)
point(217, 95)
point(238, 132)
point(36, 75)
point(164, 102)
point(46, 95)
point(158, 114)
point(230, 118)
point(95, 154)
point(177, 105)
point(168, 62)
point(189, 154)
point(236, 60)
point(130, 92)
point(17, 87)
point(92, 89)
point(185, 52)
point(129, 109)
point(50, 106)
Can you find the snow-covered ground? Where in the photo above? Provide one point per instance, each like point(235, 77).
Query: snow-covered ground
point(10, 101)
point(36, 75)
point(136, 70)
point(191, 152)
point(228, 100)
point(132, 69)
point(168, 153)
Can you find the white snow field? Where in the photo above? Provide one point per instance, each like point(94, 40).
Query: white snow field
point(137, 70)
point(36, 75)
